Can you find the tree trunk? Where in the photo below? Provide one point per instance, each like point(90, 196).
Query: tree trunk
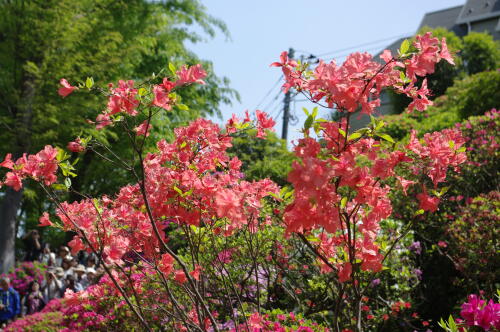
point(9, 206)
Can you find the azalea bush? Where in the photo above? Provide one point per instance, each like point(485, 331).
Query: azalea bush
point(190, 244)
point(50, 319)
point(24, 273)
point(477, 314)
point(448, 259)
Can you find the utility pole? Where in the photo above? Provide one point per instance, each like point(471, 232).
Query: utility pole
point(286, 106)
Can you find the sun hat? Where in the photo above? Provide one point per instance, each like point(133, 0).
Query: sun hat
point(59, 272)
point(79, 268)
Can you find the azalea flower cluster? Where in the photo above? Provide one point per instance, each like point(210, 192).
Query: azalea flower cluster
point(191, 181)
point(124, 98)
point(41, 166)
point(478, 312)
point(358, 82)
point(339, 180)
point(359, 166)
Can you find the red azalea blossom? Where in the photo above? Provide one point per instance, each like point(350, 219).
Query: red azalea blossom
point(66, 88)
point(143, 129)
point(44, 220)
point(189, 75)
point(76, 146)
point(428, 203)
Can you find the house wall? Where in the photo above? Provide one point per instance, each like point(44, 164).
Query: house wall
point(491, 26)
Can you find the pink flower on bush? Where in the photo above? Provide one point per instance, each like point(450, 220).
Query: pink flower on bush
point(66, 88)
point(476, 312)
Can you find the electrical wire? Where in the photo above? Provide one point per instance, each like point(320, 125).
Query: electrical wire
point(356, 46)
point(269, 92)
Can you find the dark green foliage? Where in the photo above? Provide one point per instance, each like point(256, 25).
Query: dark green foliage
point(263, 158)
point(474, 244)
point(472, 95)
point(450, 272)
point(480, 52)
point(44, 41)
point(475, 94)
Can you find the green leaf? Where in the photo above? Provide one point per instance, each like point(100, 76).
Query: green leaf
point(178, 190)
point(89, 82)
point(171, 67)
point(142, 92)
point(311, 238)
point(419, 212)
point(315, 112)
point(343, 202)
point(61, 155)
point(342, 132)
point(182, 107)
point(317, 127)
point(59, 186)
point(405, 47)
point(67, 182)
point(379, 125)
point(308, 122)
point(354, 136)
point(305, 111)
point(387, 138)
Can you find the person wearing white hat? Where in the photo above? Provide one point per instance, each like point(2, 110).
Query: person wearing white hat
point(81, 277)
point(62, 255)
point(91, 276)
point(52, 284)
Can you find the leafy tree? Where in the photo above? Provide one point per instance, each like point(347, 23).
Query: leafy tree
point(43, 41)
point(480, 52)
point(267, 158)
point(472, 95)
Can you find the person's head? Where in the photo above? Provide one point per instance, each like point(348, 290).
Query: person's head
point(91, 274)
point(63, 251)
point(70, 280)
point(34, 234)
point(79, 270)
point(74, 262)
point(46, 248)
point(4, 283)
point(91, 261)
point(35, 286)
point(59, 272)
point(66, 263)
point(49, 275)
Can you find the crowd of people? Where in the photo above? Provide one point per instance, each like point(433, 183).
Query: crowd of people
point(64, 271)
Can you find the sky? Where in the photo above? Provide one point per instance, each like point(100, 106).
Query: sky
point(261, 30)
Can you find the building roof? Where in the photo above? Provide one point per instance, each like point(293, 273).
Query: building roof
point(453, 19)
point(445, 18)
point(476, 10)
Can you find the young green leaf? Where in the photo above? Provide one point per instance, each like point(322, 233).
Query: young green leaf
point(405, 47)
point(386, 137)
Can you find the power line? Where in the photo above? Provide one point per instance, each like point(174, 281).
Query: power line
point(358, 46)
point(346, 54)
point(269, 92)
point(272, 101)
